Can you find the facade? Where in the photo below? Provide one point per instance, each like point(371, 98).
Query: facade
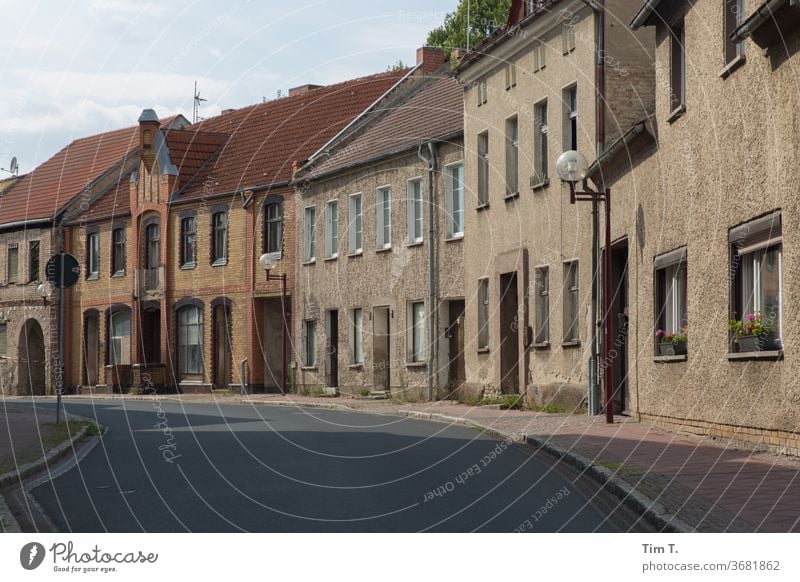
point(381, 236)
point(529, 94)
point(711, 218)
point(175, 296)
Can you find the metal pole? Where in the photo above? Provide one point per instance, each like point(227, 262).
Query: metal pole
point(283, 335)
point(609, 369)
point(60, 372)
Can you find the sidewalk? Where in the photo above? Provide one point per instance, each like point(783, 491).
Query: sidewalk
point(22, 435)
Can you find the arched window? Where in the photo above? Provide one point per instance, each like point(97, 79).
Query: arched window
point(190, 341)
point(273, 228)
point(119, 336)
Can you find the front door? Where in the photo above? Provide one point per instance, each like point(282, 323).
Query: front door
point(509, 334)
point(91, 348)
point(455, 334)
point(151, 336)
point(333, 348)
point(222, 347)
point(381, 348)
point(619, 325)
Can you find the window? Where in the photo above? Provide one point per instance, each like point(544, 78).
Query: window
point(355, 230)
point(33, 261)
point(93, 255)
point(483, 169)
point(309, 343)
point(219, 236)
point(357, 336)
point(571, 288)
point(190, 341)
point(415, 212)
point(454, 191)
point(677, 69)
point(332, 230)
point(483, 91)
point(542, 282)
point(383, 222)
point(670, 292)
point(540, 152)
point(512, 156)
point(416, 324)
point(568, 38)
point(188, 241)
point(757, 256)
point(511, 75)
point(571, 119)
point(483, 314)
point(12, 263)
point(734, 15)
point(310, 234)
point(3, 339)
point(152, 255)
point(119, 337)
point(117, 252)
point(539, 56)
point(273, 229)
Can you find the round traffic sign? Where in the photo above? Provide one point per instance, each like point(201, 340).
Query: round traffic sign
point(70, 269)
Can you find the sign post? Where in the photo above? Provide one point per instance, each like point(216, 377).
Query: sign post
point(62, 272)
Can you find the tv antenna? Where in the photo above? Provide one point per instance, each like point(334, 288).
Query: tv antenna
point(13, 169)
point(197, 101)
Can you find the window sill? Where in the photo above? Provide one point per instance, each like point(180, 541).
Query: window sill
point(482, 207)
point(93, 277)
point(384, 250)
point(311, 262)
point(188, 266)
point(541, 346)
point(571, 344)
point(416, 243)
point(118, 275)
point(416, 364)
point(220, 263)
point(677, 114)
point(355, 254)
point(483, 350)
point(511, 196)
point(670, 359)
point(541, 185)
point(767, 355)
point(732, 66)
point(329, 259)
point(456, 238)
point(308, 368)
point(359, 366)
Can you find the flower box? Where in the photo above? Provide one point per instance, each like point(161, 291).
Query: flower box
point(673, 349)
point(763, 342)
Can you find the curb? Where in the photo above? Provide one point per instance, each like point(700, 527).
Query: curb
point(651, 511)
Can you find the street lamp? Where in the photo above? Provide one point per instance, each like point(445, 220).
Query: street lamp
point(572, 168)
point(44, 291)
point(268, 263)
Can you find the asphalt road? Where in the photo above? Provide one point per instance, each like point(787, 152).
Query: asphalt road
point(171, 467)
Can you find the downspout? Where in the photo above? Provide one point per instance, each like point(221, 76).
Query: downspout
point(433, 310)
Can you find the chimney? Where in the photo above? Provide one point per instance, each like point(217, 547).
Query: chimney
point(458, 54)
point(148, 126)
point(430, 58)
point(303, 89)
point(226, 111)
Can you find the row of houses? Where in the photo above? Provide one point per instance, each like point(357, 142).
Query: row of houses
point(418, 242)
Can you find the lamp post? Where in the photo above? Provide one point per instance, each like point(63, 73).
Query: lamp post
point(572, 168)
point(268, 263)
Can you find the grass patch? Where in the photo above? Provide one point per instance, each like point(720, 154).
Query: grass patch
point(363, 392)
point(52, 436)
point(549, 408)
point(505, 401)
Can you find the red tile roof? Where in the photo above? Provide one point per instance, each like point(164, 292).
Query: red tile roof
point(433, 110)
point(191, 149)
point(116, 202)
point(266, 139)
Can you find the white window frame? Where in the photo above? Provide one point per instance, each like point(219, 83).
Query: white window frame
point(542, 306)
point(383, 228)
point(332, 229)
point(355, 229)
point(454, 201)
point(415, 211)
point(416, 334)
point(310, 234)
point(671, 301)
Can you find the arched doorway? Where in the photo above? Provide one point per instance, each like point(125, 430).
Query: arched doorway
point(32, 360)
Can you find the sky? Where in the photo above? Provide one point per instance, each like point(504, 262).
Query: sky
point(72, 69)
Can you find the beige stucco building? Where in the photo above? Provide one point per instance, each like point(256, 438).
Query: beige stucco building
point(529, 94)
point(373, 215)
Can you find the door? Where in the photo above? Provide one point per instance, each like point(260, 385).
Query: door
point(619, 326)
point(509, 334)
point(31, 360)
point(381, 348)
point(455, 333)
point(222, 347)
point(332, 350)
point(151, 336)
point(91, 349)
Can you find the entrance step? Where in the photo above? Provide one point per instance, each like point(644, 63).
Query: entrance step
point(379, 395)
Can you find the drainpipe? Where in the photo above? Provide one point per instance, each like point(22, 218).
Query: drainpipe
point(433, 310)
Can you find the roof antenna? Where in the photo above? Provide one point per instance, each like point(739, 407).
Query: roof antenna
point(469, 6)
point(197, 101)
